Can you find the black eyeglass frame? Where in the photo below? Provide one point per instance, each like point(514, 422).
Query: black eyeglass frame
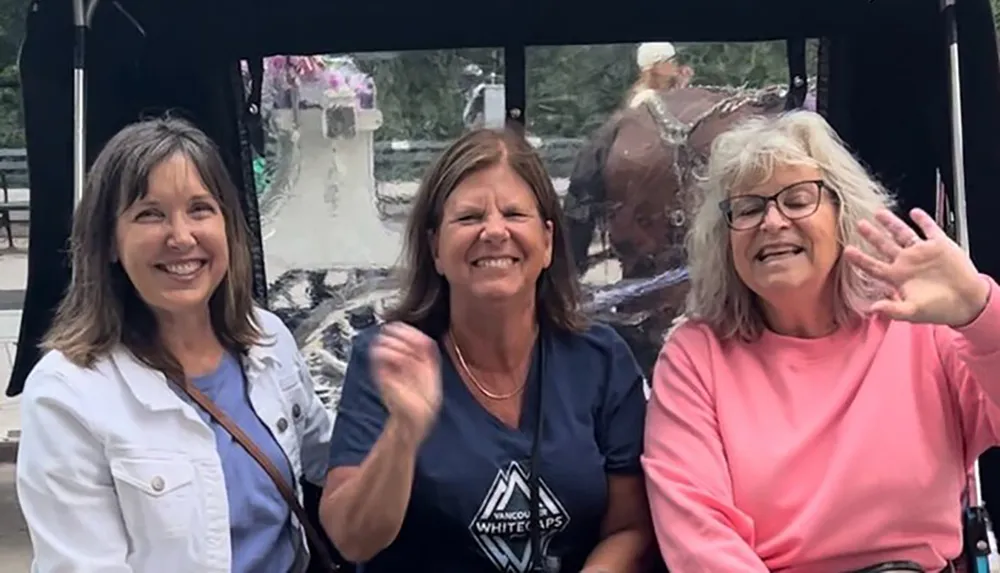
point(726, 205)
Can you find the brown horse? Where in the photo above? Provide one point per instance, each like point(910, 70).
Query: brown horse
point(637, 180)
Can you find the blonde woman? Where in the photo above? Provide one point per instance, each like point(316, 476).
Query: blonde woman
point(820, 409)
point(658, 70)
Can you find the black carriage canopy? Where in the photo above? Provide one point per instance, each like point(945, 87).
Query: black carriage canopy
point(883, 84)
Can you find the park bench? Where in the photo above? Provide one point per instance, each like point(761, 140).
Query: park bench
point(13, 172)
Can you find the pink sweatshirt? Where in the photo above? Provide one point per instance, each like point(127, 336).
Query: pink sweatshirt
point(819, 455)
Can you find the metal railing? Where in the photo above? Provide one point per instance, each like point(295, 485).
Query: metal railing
point(14, 167)
point(407, 160)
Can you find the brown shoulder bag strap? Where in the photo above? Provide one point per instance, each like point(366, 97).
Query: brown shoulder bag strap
point(286, 490)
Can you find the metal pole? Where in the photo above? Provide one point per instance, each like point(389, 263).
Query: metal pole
point(958, 153)
point(975, 521)
point(958, 158)
point(83, 14)
point(957, 146)
point(79, 87)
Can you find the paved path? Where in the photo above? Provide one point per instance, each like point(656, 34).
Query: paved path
point(11, 299)
point(15, 548)
point(13, 267)
point(13, 275)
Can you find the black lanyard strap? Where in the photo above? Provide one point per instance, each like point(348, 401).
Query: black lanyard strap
point(533, 480)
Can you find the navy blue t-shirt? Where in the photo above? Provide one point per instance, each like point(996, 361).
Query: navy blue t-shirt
point(469, 507)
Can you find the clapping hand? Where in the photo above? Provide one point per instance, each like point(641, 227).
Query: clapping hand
point(934, 279)
point(407, 369)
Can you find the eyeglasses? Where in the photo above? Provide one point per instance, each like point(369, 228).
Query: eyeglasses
point(797, 201)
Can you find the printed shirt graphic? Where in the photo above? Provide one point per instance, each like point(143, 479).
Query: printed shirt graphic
point(469, 508)
point(502, 527)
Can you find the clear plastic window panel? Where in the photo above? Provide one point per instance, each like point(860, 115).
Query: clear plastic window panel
point(348, 137)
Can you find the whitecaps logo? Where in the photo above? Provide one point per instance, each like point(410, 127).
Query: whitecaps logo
point(502, 526)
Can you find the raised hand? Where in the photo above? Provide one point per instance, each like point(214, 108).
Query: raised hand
point(407, 369)
point(934, 280)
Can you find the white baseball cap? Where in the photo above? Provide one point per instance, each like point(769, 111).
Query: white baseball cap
point(649, 54)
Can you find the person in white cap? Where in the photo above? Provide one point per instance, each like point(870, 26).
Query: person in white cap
point(658, 70)
point(650, 54)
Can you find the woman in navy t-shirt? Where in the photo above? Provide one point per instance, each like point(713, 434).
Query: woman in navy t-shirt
point(485, 371)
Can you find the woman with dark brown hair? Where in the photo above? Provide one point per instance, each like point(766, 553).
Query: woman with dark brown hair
point(488, 426)
point(121, 465)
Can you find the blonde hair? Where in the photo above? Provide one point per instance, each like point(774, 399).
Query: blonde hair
point(745, 157)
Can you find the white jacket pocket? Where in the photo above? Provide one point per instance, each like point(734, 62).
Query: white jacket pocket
point(157, 496)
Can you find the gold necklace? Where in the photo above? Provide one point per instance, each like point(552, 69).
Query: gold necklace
point(472, 377)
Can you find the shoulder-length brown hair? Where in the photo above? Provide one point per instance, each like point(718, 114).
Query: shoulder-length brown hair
point(101, 308)
point(424, 302)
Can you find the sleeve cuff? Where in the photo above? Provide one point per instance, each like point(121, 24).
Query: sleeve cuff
point(985, 329)
point(626, 466)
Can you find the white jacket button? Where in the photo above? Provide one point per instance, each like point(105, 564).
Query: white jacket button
point(282, 425)
point(157, 484)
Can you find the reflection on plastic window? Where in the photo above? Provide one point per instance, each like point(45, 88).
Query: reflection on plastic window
point(626, 129)
point(347, 139)
point(623, 130)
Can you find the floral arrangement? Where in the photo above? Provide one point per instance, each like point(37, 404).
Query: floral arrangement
point(312, 76)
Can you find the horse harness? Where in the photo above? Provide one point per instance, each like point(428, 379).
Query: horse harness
point(674, 134)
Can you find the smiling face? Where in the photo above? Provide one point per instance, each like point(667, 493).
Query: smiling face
point(782, 257)
point(172, 241)
point(492, 242)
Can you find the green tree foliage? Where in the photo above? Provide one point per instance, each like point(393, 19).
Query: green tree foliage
point(751, 64)
point(12, 18)
point(421, 93)
point(11, 119)
point(996, 14)
point(571, 89)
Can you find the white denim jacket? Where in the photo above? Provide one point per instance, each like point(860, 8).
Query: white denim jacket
point(116, 473)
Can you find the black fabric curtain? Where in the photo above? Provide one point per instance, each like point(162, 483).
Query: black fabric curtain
point(126, 81)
